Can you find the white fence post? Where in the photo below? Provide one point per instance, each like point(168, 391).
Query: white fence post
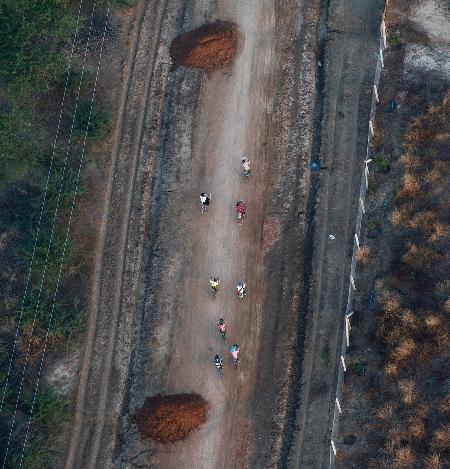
point(343, 363)
point(357, 239)
point(371, 127)
point(338, 405)
point(333, 447)
point(352, 281)
point(361, 202)
point(381, 58)
point(375, 92)
point(383, 33)
point(347, 331)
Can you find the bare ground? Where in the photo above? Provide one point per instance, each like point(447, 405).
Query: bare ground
point(151, 319)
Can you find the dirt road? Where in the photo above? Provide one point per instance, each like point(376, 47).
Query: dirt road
point(232, 121)
point(179, 133)
point(152, 319)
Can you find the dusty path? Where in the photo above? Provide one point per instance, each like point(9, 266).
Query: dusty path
point(349, 71)
point(233, 121)
point(152, 321)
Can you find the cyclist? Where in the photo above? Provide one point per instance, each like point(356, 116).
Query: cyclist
point(218, 362)
point(222, 328)
point(245, 162)
point(234, 350)
point(241, 289)
point(205, 198)
point(214, 282)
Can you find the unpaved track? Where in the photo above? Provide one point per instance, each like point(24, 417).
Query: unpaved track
point(352, 41)
point(95, 373)
point(232, 121)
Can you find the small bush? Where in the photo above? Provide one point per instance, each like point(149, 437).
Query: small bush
point(363, 254)
point(383, 163)
point(404, 458)
point(405, 349)
point(394, 41)
point(407, 391)
point(401, 216)
point(411, 187)
point(441, 438)
point(97, 122)
point(433, 461)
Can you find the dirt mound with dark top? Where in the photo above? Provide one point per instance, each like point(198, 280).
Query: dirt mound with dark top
point(208, 47)
point(171, 418)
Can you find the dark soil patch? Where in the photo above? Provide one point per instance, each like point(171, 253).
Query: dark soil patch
point(171, 418)
point(211, 46)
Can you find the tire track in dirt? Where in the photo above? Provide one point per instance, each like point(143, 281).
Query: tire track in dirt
point(349, 66)
point(104, 311)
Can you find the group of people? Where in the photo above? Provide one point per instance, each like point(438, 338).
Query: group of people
point(205, 198)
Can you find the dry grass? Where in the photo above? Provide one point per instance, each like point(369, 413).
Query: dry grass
point(432, 321)
point(392, 303)
point(417, 428)
point(391, 369)
point(410, 188)
point(404, 458)
point(407, 391)
point(402, 215)
point(447, 306)
point(441, 438)
point(418, 256)
point(385, 413)
point(439, 230)
point(438, 174)
point(409, 162)
point(433, 461)
point(422, 219)
point(405, 350)
point(445, 405)
point(363, 254)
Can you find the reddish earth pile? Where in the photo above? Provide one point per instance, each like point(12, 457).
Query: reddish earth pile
point(208, 47)
point(167, 419)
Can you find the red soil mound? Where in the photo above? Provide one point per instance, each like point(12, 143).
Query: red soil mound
point(167, 419)
point(208, 47)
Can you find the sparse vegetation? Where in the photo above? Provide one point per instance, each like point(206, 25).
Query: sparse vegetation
point(35, 37)
point(410, 403)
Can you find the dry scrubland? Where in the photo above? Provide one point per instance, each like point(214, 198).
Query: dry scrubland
point(396, 397)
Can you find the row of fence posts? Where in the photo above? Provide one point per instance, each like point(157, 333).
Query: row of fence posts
point(361, 210)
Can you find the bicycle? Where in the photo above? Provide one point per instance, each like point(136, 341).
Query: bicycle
point(218, 362)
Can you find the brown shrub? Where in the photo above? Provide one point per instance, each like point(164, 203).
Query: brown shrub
point(171, 418)
point(363, 254)
point(409, 162)
point(447, 306)
point(391, 369)
point(405, 349)
point(401, 216)
point(438, 174)
point(433, 321)
point(407, 391)
point(410, 188)
point(385, 413)
point(423, 220)
point(392, 303)
point(441, 438)
point(445, 405)
point(404, 458)
point(438, 230)
point(418, 256)
point(433, 461)
point(417, 428)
